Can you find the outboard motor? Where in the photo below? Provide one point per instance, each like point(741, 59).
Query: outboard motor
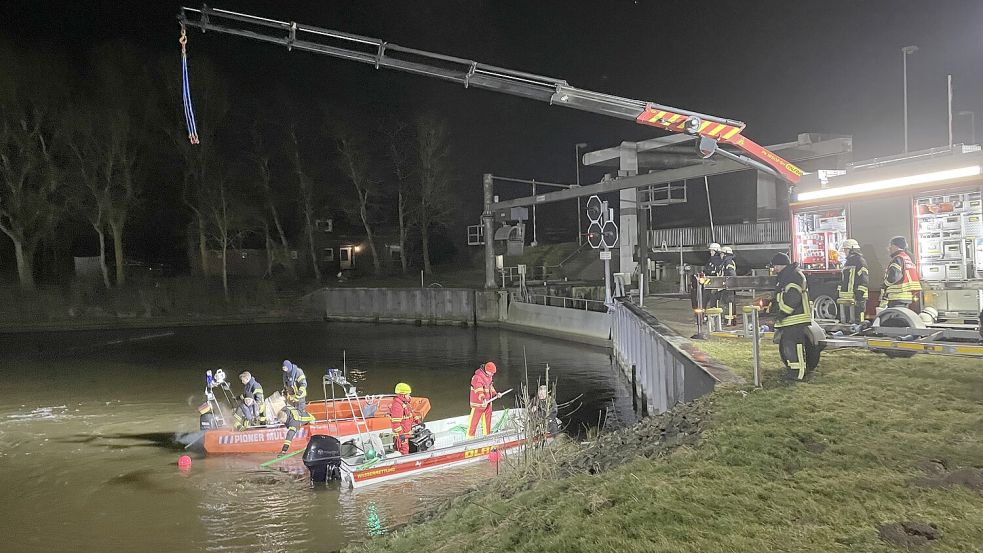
point(323, 458)
point(206, 421)
point(421, 440)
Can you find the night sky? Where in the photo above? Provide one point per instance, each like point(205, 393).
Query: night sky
point(783, 67)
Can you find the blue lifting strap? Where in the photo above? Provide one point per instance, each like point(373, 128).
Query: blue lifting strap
point(189, 112)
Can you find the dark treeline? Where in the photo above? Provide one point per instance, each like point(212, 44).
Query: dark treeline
point(95, 160)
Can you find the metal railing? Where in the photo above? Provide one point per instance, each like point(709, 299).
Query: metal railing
point(768, 232)
point(655, 359)
point(563, 301)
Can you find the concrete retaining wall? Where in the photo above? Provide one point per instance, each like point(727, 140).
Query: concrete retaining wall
point(561, 321)
point(427, 305)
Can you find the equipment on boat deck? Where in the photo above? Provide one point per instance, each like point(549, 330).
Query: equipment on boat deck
point(211, 414)
point(422, 439)
point(322, 457)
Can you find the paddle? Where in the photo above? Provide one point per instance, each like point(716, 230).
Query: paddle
point(496, 396)
point(281, 458)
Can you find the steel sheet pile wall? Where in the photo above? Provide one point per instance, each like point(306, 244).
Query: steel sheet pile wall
point(427, 305)
point(665, 373)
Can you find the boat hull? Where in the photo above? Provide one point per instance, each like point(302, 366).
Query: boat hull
point(334, 418)
point(463, 452)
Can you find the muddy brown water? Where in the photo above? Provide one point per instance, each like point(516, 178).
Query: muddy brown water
point(90, 423)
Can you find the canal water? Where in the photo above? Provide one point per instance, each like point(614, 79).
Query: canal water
point(90, 424)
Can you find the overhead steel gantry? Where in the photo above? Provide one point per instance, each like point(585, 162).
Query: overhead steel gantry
point(710, 130)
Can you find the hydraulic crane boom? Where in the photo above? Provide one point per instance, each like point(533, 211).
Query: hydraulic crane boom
point(709, 129)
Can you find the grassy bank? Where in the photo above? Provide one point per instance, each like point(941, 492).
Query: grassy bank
point(815, 466)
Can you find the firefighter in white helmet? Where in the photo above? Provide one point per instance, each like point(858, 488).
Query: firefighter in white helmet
point(855, 278)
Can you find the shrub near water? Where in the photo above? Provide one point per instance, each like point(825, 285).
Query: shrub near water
point(811, 467)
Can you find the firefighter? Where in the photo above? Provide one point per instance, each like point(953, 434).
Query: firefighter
point(854, 280)
point(794, 315)
point(728, 268)
point(712, 268)
point(402, 418)
point(252, 407)
point(901, 283)
point(482, 393)
point(294, 385)
point(293, 418)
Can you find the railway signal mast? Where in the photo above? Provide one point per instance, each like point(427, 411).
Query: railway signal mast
point(602, 233)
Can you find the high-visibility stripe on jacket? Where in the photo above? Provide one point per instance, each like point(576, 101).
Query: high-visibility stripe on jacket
point(728, 266)
point(481, 388)
point(401, 415)
point(792, 298)
point(855, 279)
point(254, 390)
point(295, 382)
point(901, 281)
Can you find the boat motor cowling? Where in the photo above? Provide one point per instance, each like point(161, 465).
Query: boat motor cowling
point(322, 457)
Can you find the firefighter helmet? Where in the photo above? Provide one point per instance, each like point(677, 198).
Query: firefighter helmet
point(403, 388)
point(850, 244)
point(714, 247)
point(490, 367)
point(727, 249)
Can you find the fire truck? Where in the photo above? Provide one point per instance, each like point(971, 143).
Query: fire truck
point(931, 197)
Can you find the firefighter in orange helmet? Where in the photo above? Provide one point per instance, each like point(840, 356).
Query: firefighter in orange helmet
point(402, 417)
point(482, 393)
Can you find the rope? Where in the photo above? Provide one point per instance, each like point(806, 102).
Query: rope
point(189, 112)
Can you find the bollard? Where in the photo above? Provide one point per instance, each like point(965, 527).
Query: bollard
point(756, 346)
point(700, 335)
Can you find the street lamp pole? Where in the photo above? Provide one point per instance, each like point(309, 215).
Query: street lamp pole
point(905, 52)
point(972, 125)
point(580, 228)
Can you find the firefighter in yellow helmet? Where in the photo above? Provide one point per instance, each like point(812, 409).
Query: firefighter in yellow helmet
point(402, 418)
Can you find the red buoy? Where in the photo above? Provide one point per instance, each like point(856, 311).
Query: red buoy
point(184, 462)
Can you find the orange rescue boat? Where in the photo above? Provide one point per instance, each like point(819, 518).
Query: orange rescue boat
point(333, 417)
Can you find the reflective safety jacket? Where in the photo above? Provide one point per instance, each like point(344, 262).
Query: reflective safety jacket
point(728, 267)
point(792, 298)
point(295, 383)
point(855, 279)
point(901, 281)
point(481, 388)
point(714, 266)
point(255, 391)
point(401, 415)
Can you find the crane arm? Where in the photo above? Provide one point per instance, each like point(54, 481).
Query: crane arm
point(709, 129)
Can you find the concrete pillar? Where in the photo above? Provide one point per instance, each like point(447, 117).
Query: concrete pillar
point(628, 212)
point(488, 220)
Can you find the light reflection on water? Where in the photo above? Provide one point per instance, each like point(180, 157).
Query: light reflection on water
point(88, 432)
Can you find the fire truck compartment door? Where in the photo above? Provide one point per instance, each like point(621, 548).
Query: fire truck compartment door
point(873, 222)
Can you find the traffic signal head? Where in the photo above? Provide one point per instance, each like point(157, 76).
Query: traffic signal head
point(609, 234)
point(594, 235)
point(596, 209)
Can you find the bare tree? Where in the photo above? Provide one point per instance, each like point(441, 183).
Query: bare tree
point(229, 219)
point(86, 192)
point(29, 196)
point(355, 165)
point(261, 159)
point(123, 87)
point(433, 193)
point(397, 146)
point(307, 195)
